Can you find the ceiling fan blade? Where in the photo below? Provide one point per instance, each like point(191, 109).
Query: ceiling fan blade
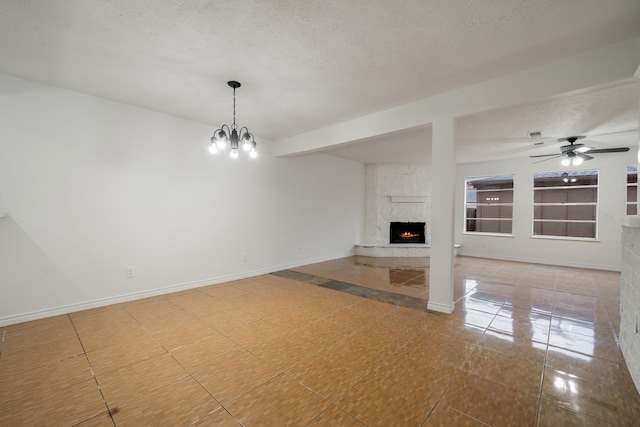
point(608, 150)
point(584, 156)
point(555, 156)
point(546, 155)
point(583, 149)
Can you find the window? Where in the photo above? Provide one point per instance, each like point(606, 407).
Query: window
point(632, 190)
point(489, 204)
point(565, 204)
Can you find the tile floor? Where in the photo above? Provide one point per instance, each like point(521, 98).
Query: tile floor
point(341, 343)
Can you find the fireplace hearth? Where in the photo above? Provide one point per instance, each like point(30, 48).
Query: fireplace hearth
point(407, 232)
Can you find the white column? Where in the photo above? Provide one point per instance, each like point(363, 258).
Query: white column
point(442, 213)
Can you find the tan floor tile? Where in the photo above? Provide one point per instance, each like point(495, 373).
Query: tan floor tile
point(613, 373)
point(448, 351)
point(256, 333)
point(162, 320)
point(490, 402)
point(206, 352)
point(598, 316)
point(178, 403)
point(351, 318)
point(481, 301)
point(321, 332)
point(220, 418)
point(381, 401)
point(418, 371)
point(14, 362)
point(150, 308)
point(517, 373)
point(48, 323)
point(328, 374)
point(471, 317)
point(517, 347)
point(521, 331)
point(105, 328)
point(611, 404)
point(283, 401)
point(102, 420)
point(597, 344)
point(335, 417)
point(445, 416)
point(284, 353)
point(124, 353)
point(223, 291)
point(226, 322)
point(18, 338)
point(364, 350)
point(54, 405)
point(235, 376)
point(37, 384)
point(179, 334)
point(134, 381)
point(552, 415)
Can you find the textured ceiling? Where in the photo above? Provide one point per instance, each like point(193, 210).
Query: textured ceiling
point(607, 117)
point(303, 64)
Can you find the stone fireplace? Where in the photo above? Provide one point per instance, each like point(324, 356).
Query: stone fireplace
point(397, 194)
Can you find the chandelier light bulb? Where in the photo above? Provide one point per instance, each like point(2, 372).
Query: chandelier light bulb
point(234, 153)
point(253, 153)
point(221, 140)
point(246, 142)
point(213, 149)
point(566, 161)
point(577, 161)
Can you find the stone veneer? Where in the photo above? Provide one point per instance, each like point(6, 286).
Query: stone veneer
point(385, 181)
point(630, 296)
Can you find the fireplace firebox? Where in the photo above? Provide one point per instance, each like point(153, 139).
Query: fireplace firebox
point(407, 232)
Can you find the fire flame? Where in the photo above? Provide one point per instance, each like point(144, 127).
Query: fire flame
point(408, 235)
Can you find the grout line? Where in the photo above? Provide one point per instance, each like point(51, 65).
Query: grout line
point(95, 379)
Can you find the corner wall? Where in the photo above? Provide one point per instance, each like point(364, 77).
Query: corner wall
point(93, 186)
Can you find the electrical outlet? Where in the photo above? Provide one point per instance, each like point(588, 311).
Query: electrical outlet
point(129, 272)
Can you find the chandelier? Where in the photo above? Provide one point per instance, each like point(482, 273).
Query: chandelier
point(231, 135)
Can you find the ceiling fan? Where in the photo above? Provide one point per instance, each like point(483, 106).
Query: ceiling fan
point(577, 153)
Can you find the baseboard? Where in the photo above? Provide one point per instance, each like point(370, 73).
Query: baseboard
point(442, 308)
point(71, 308)
point(542, 261)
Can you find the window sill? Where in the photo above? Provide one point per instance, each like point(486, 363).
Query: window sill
point(573, 239)
point(474, 233)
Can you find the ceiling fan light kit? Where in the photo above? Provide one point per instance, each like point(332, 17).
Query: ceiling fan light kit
point(574, 154)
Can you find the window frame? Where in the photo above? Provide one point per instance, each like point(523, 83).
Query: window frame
point(560, 175)
point(467, 202)
point(632, 170)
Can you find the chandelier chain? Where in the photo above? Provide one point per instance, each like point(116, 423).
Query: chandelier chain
point(234, 126)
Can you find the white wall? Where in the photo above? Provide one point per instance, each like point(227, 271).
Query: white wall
point(605, 253)
point(93, 186)
point(384, 180)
